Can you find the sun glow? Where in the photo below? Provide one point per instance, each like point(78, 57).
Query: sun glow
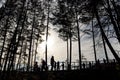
point(49, 43)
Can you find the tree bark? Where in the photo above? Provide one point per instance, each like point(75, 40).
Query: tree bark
point(94, 47)
point(79, 41)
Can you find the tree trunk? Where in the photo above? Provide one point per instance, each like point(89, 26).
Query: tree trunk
point(79, 42)
point(105, 50)
point(46, 48)
point(70, 51)
point(94, 47)
point(36, 50)
point(32, 54)
point(70, 36)
point(67, 52)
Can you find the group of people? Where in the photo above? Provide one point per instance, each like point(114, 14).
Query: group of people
point(53, 64)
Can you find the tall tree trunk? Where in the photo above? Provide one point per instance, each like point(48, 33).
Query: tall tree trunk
point(70, 47)
point(36, 50)
point(105, 50)
point(25, 55)
point(46, 46)
point(94, 47)
point(79, 42)
point(67, 51)
point(32, 53)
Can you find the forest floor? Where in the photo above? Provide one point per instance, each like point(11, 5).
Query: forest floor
point(84, 74)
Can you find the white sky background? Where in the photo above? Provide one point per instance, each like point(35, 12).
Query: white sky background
point(58, 48)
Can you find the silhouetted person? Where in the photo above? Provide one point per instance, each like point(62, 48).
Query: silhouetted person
point(98, 64)
point(104, 61)
point(62, 65)
point(52, 62)
point(44, 65)
point(58, 65)
point(98, 61)
point(114, 61)
point(83, 65)
point(36, 66)
point(90, 65)
point(69, 67)
point(55, 65)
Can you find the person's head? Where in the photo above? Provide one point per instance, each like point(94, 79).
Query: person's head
point(42, 60)
point(36, 62)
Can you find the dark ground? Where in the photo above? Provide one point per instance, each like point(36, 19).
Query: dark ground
point(69, 75)
point(101, 72)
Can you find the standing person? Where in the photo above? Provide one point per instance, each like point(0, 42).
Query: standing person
point(36, 66)
point(52, 63)
point(58, 65)
point(90, 65)
point(62, 65)
point(55, 65)
point(83, 65)
point(44, 65)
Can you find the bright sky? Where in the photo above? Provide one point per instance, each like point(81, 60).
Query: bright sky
point(57, 47)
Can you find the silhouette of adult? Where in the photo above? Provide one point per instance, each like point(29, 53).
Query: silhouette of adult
point(58, 65)
point(35, 66)
point(104, 61)
point(69, 67)
point(83, 65)
point(52, 62)
point(90, 65)
point(55, 65)
point(62, 65)
point(98, 64)
point(44, 65)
